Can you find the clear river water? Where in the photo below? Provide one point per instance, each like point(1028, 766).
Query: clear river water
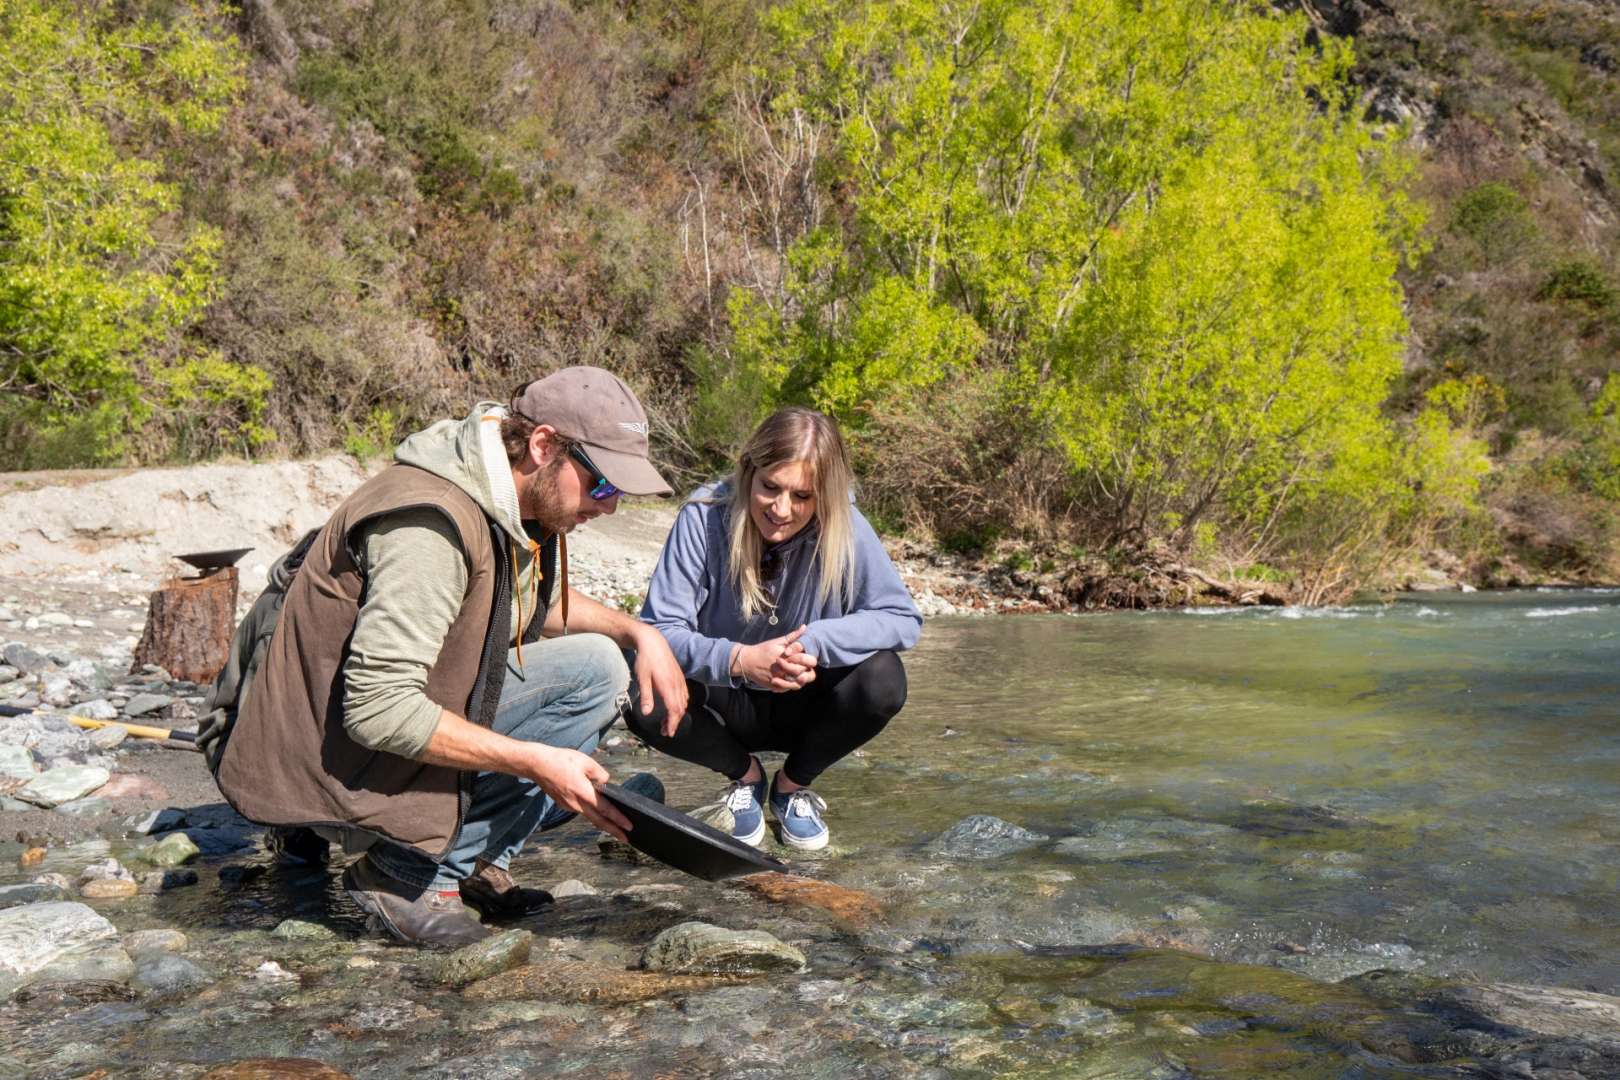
point(1217, 843)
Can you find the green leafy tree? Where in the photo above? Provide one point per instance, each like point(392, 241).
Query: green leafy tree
point(1160, 226)
point(97, 278)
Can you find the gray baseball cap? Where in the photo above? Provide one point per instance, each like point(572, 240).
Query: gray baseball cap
point(596, 409)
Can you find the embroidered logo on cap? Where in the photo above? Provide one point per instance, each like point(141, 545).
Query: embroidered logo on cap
point(639, 429)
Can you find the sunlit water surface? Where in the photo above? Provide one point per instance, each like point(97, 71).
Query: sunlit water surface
point(1430, 788)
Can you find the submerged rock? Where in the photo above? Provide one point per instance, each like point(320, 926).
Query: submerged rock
point(692, 948)
point(31, 893)
point(584, 983)
point(483, 959)
point(109, 888)
point(166, 973)
point(851, 905)
point(299, 930)
point(275, 1069)
point(153, 941)
point(103, 962)
point(983, 836)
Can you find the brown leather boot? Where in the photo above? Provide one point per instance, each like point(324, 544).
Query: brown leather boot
point(493, 891)
point(420, 916)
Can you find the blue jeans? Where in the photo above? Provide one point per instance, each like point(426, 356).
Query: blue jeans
point(567, 693)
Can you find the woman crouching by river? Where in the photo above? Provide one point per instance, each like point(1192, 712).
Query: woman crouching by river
point(787, 616)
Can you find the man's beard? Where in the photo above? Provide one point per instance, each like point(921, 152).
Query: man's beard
point(543, 504)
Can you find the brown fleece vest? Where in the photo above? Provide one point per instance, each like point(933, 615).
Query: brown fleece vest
point(290, 761)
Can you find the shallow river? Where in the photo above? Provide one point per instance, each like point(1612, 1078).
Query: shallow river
point(1228, 844)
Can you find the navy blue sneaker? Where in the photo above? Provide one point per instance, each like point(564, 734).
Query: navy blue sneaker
point(747, 815)
point(799, 814)
point(644, 784)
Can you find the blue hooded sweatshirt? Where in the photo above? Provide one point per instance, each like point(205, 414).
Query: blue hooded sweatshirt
point(691, 602)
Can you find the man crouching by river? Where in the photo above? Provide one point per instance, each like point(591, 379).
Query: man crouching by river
point(403, 702)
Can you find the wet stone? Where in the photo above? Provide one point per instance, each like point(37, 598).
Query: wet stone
point(175, 849)
point(583, 982)
point(983, 836)
point(109, 889)
point(160, 881)
point(572, 887)
point(483, 959)
point(31, 893)
point(33, 935)
point(275, 1069)
point(166, 973)
point(63, 784)
point(104, 962)
point(103, 869)
point(298, 930)
point(148, 941)
point(702, 948)
point(849, 905)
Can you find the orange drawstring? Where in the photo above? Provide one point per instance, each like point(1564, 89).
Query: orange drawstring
point(517, 595)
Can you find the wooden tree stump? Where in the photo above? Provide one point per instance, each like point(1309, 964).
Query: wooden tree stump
point(189, 623)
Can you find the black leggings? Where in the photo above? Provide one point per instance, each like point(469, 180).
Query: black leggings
point(816, 726)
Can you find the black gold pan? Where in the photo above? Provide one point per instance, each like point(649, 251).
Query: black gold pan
point(679, 840)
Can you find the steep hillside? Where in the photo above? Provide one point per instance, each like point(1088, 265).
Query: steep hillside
point(408, 206)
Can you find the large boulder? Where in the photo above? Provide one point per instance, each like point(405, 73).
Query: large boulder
point(35, 936)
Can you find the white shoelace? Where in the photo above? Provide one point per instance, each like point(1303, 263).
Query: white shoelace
point(805, 803)
point(739, 796)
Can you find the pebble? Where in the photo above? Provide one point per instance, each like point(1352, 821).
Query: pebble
point(483, 959)
point(270, 971)
point(163, 880)
point(108, 889)
point(8, 673)
point(7, 615)
point(99, 709)
point(298, 930)
point(572, 887)
point(63, 784)
point(16, 762)
point(32, 857)
point(694, 948)
point(56, 618)
point(108, 738)
point(23, 659)
point(58, 690)
point(105, 868)
point(144, 704)
point(159, 940)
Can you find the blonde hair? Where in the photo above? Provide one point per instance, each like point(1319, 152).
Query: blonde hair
point(787, 435)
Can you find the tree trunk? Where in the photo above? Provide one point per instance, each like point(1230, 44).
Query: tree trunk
point(189, 623)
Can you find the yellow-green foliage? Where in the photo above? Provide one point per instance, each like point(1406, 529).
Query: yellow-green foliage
point(96, 284)
point(1161, 225)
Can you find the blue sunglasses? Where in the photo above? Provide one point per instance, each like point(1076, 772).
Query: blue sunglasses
point(600, 488)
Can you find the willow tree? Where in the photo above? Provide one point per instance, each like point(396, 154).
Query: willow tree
point(1157, 228)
